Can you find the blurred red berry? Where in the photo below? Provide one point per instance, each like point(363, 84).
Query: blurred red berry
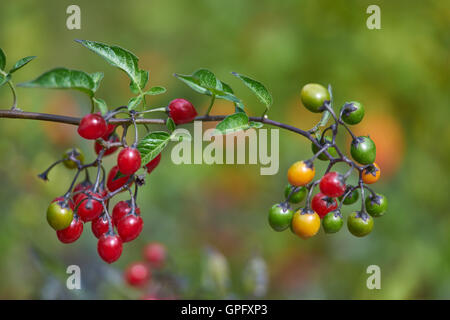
point(137, 274)
point(155, 254)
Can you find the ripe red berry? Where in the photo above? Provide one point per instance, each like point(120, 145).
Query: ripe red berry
point(112, 138)
point(129, 227)
point(137, 274)
point(155, 254)
point(89, 209)
point(109, 130)
point(72, 232)
point(332, 184)
point(181, 111)
point(153, 164)
point(129, 160)
point(69, 202)
point(99, 226)
point(92, 126)
point(121, 209)
point(83, 186)
point(109, 247)
point(116, 179)
point(323, 204)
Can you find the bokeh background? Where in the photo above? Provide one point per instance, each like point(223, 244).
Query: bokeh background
point(213, 219)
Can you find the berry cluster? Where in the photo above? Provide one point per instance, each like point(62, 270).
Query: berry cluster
point(324, 208)
point(89, 201)
point(141, 274)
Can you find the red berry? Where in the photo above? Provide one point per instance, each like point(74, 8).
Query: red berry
point(116, 179)
point(69, 202)
point(323, 204)
point(89, 209)
point(99, 226)
point(155, 253)
point(72, 232)
point(109, 130)
point(129, 227)
point(121, 209)
point(153, 164)
point(129, 160)
point(98, 147)
point(92, 126)
point(182, 111)
point(137, 274)
point(109, 247)
point(83, 186)
point(332, 184)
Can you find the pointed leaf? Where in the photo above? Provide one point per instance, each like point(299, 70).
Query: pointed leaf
point(134, 102)
point(2, 59)
point(258, 89)
point(144, 76)
point(233, 123)
point(97, 78)
point(62, 78)
point(192, 82)
point(152, 144)
point(22, 62)
point(170, 124)
point(206, 78)
point(226, 87)
point(101, 105)
point(4, 79)
point(155, 91)
point(118, 57)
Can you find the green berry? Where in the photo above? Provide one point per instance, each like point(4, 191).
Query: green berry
point(70, 163)
point(352, 112)
point(376, 206)
point(363, 150)
point(297, 196)
point(352, 198)
point(359, 224)
point(332, 222)
point(59, 216)
point(332, 150)
point(313, 97)
point(280, 217)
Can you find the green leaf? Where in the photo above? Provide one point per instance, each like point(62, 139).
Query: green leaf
point(256, 125)
point(206, 78)
point(62, 78)
point(233, 123)
point(97, 78)
point(226, 87)
point(101, 105)
point(4, 79)
point(239, 107)
point(152, 144)
point(2, 59)
point(22, 62)
point(134, 102)
point(120, 58)
point(193, 83)
point(324, 120)
point(204, 81)
point(258, 89)
point(144, 76)
point(155, 91)
point(170, 124)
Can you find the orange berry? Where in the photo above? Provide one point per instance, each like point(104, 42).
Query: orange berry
point(301, 173)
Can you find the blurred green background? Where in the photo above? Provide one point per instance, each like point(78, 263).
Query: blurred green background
point(213, 219)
